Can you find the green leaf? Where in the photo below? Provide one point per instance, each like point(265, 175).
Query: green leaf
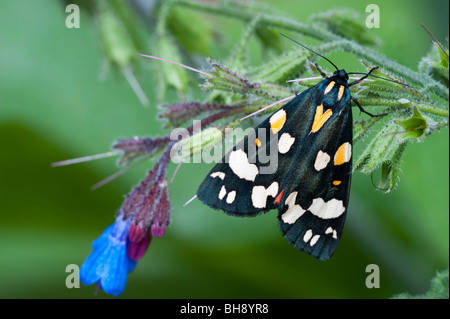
point(283, 68)
point(115, 37)
point(443, 55)
point(125, 13)
point(388, 88)
point(414, 127)
point(238, 60)
point(436, 64)
point(440, 68)
point(383, 151)
point(223, 79)
point(361, 128)
point(346, 23)
point(191, 31)
point(173, 75)
point(438, 289)
point(269, 38)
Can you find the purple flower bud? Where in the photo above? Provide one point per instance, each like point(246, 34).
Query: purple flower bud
point(136, 233)
point(135, 202)
point(135, 147)
point(139, 242)
point(182, 112)
point(137, 249)
point(161, 217)
point(148, 205)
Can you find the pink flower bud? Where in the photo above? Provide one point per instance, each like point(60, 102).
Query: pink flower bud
point(137, 249)
point(137, 233)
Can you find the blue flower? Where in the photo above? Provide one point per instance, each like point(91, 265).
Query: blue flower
point(108, 265)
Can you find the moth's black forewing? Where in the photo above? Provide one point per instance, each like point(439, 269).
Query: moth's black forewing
point(299, 113)
point(311, 184)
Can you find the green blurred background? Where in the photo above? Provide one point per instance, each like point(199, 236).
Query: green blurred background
point(55, 104)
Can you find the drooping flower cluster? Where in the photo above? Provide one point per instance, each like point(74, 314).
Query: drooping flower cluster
point(144, 214)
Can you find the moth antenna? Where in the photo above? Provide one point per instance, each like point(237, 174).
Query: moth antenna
point(380, 77)
point(268, 106)
point(85, 158)
point(337, 69)
point(176, 63)
point(315, 78)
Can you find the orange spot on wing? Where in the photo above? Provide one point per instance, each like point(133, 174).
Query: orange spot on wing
point(343, 154)
point(278, 199)
point(258, 142)
point(336, 183)
point(341, 92)
point(329, 87)
point(320, 118)
point(277, 121)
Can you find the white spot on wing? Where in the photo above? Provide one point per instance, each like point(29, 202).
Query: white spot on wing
point(239, 164)
point(230, 197)
point(290, 200)
point(222, 193)
point(307, 235)
point(220, 175)
point(327, 210)
point(285, 143)
point(294, 211)
point(260, 193)
point(322, 160)
point(331, 230)
point(314, 240)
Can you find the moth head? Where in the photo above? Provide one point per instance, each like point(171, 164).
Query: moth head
point(341, 74)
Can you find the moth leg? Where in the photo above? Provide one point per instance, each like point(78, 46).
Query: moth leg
point(364, 77)
point(364, 111)
point(320, 70)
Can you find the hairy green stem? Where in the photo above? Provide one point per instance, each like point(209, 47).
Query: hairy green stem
point(424, 107)
point(380, 60)
point(269, 20)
